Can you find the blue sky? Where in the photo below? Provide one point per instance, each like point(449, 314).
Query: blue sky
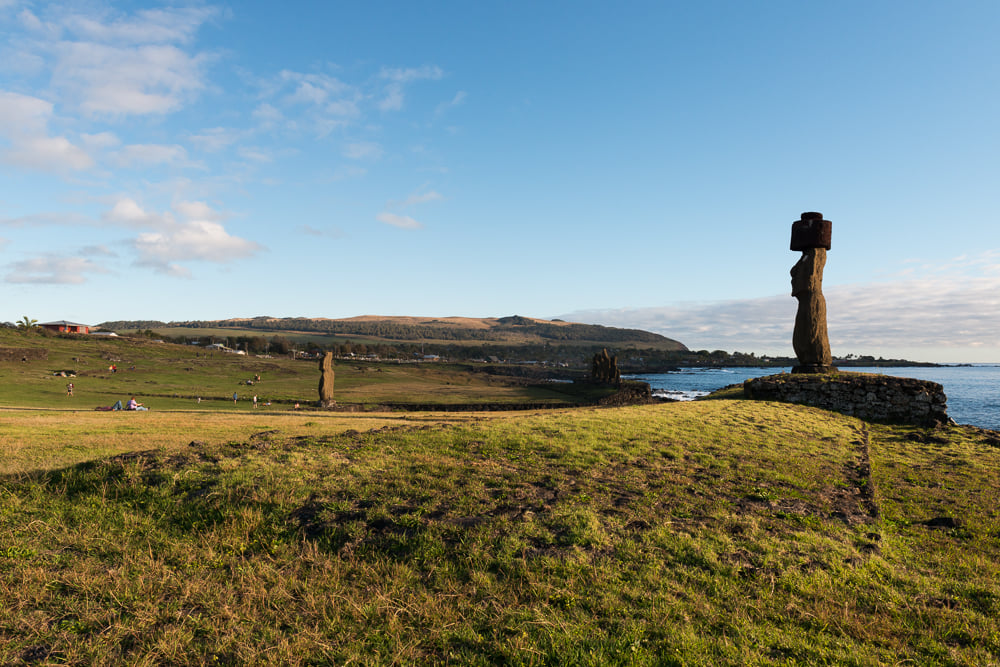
point(635, 164)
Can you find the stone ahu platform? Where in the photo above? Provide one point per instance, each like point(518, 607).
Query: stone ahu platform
point(872, 397)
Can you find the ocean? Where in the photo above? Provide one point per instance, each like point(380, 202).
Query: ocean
point(973, 391)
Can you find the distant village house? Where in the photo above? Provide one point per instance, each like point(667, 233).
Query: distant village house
point(62, 326)
point(219, 347)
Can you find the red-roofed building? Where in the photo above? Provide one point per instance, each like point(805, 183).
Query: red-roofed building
point(62, 326)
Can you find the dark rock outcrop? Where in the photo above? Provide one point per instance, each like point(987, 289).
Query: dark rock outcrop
point(629, 393)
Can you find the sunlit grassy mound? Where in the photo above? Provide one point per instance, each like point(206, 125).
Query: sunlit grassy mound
point(718, 532)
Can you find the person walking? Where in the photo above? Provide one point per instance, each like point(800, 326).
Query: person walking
point(255, 400)
point(235, 397)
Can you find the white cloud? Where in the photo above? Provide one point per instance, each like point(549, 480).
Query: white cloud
point(100, 141)
point(405, 221)
point(53, 270)
point(116, 80)
point(457, 100)
point(408, 74)
point(116, 64)
point(946, 311)
point(47, 154)
point(316, 102)
point(312, 88)
point(147, 155)
point(254, 154)
point(28, 20)
point(201, 240)
point(43, 219)
point(414, 199)
point(198, 210)
point(345, 109)
point(97, 251)
point(34, 24)
point(401, 221)
point(148, 26)
point(332, 232)
point(24, 123)
point(362, 150)
point(393, 99)
point(392, 95)
point(128, 212)
point(108, 63)
point(196, 236)
point(23, 114)
point(215, 138)
point(267, 115)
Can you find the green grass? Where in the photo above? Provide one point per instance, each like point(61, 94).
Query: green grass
point(167, 376)
point(722, 532)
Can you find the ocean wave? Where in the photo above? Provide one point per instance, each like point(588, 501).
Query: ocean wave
point(675, 395)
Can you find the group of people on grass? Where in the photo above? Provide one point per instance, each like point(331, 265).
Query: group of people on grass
point(130, 404)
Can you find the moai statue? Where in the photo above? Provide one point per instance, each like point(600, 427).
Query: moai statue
point(597, 365)
point(326, 381)
point(604, 368)
point(812, 236)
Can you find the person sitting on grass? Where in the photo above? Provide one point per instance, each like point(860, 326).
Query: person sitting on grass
point(133, 405)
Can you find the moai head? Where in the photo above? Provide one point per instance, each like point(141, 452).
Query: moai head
point(809, 234)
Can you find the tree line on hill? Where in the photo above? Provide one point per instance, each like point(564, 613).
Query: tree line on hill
point(504, 329)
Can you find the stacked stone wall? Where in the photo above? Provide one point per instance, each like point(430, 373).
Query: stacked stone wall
point(871, 397)
point(23, 354)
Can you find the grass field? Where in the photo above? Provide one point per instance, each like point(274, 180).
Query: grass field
point(717, 532)
point(167, 376)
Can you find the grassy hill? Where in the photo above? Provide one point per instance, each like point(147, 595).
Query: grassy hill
point(722, 532)
point(514, 330)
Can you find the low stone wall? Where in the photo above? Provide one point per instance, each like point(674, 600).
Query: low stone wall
point(872, 397)
point(23, 354)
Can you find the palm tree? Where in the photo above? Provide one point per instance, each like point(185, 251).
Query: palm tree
point(26, 323)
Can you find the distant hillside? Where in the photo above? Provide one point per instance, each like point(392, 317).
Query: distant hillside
point(514, 329)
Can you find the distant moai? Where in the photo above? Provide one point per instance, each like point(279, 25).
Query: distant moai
point(326, 381)
point(811, 235)
point(604, 368)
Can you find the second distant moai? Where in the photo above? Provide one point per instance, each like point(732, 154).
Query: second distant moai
point(811, 235)
point(326, 381)
point(604, 369)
